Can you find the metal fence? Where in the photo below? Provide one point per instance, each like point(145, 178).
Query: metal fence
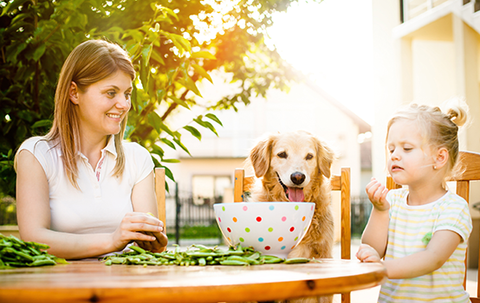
point(185, 219)
point(360, 212)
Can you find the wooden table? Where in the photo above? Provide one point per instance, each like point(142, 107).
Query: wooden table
point(92, 281)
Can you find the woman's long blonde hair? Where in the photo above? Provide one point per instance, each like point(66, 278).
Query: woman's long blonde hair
point(88, 63)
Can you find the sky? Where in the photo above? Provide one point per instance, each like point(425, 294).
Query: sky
point(331, 42)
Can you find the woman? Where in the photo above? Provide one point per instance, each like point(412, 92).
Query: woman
point(80, 189)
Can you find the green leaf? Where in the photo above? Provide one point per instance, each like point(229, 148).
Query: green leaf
point(156, 121)
point(147, 53)
point(170, 160)
point(12, 6)
point(168, 173)
point(189, 84)
point(214, 118)
point(193, 131)
point(203, 54)
point(179, 102)
point(157, 57)
point(200, 70)
point(158, 152)
point(42, 123)
point(168, 142)
point(14, 50)
point(181, 145)
point(39, 52)
point(169, 12)
point(206, 124)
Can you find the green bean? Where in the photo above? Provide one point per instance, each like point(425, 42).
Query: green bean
point(200, 255)
point(17, 253)
point(137, 249)
point(42, 262)
point(233, 262)
point(296, 260)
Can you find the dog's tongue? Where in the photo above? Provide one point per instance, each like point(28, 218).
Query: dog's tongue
point(295, 194)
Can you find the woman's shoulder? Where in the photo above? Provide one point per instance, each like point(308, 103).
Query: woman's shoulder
point(35, 144)
point(135, 150)
point(133, 147)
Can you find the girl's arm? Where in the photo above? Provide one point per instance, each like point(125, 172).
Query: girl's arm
point(144, 200)
point(376, 231)
point(439, 249)
point(33, 215)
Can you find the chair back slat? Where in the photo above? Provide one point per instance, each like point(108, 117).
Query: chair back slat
point(160, 193)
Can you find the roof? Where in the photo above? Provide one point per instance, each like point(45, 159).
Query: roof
point(363, 126)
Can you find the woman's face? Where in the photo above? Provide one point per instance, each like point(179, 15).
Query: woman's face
point(103, 105)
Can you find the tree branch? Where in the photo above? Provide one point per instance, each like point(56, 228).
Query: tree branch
point(174, 105)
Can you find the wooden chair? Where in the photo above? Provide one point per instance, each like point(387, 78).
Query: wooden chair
point(160, 193)
point(340, 183)
point(470, 171)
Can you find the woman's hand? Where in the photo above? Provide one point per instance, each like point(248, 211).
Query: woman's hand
point(377, 193)
point(366, 253)
point(160, 242)
point(147, 231)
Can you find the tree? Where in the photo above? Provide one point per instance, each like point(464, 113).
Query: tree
point(174, 45)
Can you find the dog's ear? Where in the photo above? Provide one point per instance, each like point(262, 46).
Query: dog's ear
point(260, 156)
point(325, 157)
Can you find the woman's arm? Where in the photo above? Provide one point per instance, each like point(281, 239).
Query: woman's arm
point(144, 200)
point(33, 215)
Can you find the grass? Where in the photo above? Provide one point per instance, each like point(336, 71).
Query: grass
point(196, 232)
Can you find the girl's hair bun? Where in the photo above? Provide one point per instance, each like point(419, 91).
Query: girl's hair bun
point(457, 111)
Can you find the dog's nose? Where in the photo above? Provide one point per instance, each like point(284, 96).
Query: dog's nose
point(297, 178)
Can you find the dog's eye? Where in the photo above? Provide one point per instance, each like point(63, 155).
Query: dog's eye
point(282, 155)
point(309, 157)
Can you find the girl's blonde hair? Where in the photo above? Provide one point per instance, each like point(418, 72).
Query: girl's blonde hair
point(438, 129)
point(88, 63)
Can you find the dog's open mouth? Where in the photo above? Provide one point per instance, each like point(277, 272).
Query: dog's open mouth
point(294, 194)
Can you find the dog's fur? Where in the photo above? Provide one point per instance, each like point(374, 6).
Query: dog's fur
point(296, 166)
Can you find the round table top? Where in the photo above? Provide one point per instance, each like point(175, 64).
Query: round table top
point(92, 281)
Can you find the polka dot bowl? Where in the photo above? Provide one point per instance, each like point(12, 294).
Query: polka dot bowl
point(273, 228)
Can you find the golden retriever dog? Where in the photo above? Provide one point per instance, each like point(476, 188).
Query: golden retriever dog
point(295, 166)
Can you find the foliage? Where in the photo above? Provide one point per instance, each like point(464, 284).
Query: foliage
point(8, 211)
point(174, 46)
point(196, 232)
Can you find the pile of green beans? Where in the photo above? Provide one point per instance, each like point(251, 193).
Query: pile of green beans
point(198, 255)
point(17, 253)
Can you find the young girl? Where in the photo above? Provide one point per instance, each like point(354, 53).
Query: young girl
point(421, 231)
point(81, 189)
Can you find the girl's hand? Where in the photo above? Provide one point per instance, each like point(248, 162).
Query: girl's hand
point(366, 253)
point(377, 193)
point(141, 228)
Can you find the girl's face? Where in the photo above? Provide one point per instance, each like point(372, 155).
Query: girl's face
point(410, 161)
point(103, 105)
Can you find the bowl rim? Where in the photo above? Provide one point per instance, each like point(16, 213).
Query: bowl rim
point(273, 202)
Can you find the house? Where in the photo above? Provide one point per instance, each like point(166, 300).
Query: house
point(426, 51)
point(208, 172)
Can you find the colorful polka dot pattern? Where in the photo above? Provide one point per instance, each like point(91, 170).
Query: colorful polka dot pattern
point(273, 227)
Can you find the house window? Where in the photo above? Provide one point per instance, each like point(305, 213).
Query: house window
point(209, 189)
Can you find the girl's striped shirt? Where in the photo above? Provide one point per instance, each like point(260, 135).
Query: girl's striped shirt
point(409, 231)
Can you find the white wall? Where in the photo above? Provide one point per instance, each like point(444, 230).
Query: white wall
point(302, 108)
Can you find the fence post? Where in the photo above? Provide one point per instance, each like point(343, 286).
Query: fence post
point(177, 215)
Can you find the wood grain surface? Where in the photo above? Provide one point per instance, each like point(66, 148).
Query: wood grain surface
point(92, 281)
